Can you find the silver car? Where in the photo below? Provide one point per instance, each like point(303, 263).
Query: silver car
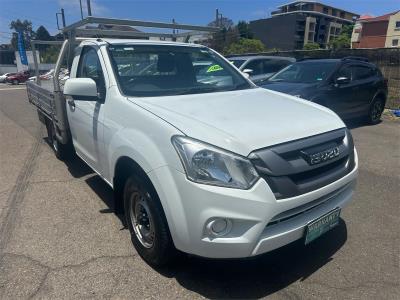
point(260, 68)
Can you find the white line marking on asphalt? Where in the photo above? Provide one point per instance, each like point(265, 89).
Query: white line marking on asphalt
point(9, 89)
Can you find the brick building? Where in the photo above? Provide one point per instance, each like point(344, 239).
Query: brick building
point(378, 32)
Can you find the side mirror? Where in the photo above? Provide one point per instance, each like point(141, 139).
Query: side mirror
point(248, 71)
point(342, 80)
point(81, 89)
point(246, 75)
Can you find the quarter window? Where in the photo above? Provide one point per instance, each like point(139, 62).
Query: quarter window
point(361, 72)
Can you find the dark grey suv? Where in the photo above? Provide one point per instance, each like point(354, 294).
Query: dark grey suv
point(352, 87)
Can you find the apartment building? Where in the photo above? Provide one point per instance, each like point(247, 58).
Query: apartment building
point(377, 32)
point(297, 23)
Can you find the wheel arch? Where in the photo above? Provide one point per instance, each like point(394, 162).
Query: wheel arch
point(380, 95)
point(125, 166)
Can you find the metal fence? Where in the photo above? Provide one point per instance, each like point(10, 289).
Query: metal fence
point(387, 59)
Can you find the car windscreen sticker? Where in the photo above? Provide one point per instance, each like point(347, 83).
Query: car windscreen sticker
point(214, 68)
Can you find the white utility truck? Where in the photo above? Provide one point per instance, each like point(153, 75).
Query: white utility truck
point(200, 159)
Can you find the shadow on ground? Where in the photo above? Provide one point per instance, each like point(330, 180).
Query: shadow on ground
point(245, 278)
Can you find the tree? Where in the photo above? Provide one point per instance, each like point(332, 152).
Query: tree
point(311, 46)
point(245, 46)
point(223, 38)
point(49, 55)
point(223, 22)
point(25, 27)
point(343, 40)
point(43, 35)
point(244, 30)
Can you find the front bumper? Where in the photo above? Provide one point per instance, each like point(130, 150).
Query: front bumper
point(260, 223)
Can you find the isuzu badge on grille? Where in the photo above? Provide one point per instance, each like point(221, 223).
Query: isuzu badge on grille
point(320, 157)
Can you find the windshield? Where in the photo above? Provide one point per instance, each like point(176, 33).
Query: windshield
point(237, 62)
point(306, 72)
point(161, 70)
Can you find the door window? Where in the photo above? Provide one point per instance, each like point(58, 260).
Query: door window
point(90, 67)
point(257, 66)
point(345, 71)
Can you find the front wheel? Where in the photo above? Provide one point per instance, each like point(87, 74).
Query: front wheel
point(147, 223)
point(375, 111)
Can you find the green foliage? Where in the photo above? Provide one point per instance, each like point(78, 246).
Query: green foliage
point(43, 35)
point(49, 55)
point(222, 39)
point(245, 46)
point(311, 46)
point(244, 30)
point(343, 40)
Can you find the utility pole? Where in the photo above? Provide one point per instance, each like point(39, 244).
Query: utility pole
point(89, 9)
point(218, 18)
point(80, 4)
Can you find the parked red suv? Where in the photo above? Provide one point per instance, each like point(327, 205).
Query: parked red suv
point(18, 78)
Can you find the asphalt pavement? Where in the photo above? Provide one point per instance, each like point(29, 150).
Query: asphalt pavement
point(59, 236)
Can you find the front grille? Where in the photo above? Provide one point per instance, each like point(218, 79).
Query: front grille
point(302, 209)
point(289, 173)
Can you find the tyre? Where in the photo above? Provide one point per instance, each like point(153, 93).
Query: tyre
point(375, 111)
point(147, 222)
point(15, 82)
point(62, 152)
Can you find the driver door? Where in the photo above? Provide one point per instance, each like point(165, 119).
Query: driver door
point(86, 116)
point(339, 97)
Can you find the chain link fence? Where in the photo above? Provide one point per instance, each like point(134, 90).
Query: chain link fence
point(387, 59)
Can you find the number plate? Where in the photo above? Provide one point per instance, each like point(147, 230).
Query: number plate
point(321, 225)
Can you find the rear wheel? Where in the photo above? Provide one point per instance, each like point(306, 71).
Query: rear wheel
point(15, 82)
point(61, 151)
point(375, 111)
point(147, 223)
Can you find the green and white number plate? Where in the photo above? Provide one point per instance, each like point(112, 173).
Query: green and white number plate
point(321, 225)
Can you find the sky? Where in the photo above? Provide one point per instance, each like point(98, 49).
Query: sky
point(198, 12)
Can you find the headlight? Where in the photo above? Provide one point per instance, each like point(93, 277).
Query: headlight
point(207, 164)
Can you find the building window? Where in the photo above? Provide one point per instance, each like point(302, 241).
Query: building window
point(326, 10)
point(397, 25)
point(395, 43)
point(334, 12)
point(342, 14)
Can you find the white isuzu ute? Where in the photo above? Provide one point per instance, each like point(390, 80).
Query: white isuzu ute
point(200, 159)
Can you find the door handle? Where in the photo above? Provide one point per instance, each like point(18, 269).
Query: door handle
point(71, 103)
